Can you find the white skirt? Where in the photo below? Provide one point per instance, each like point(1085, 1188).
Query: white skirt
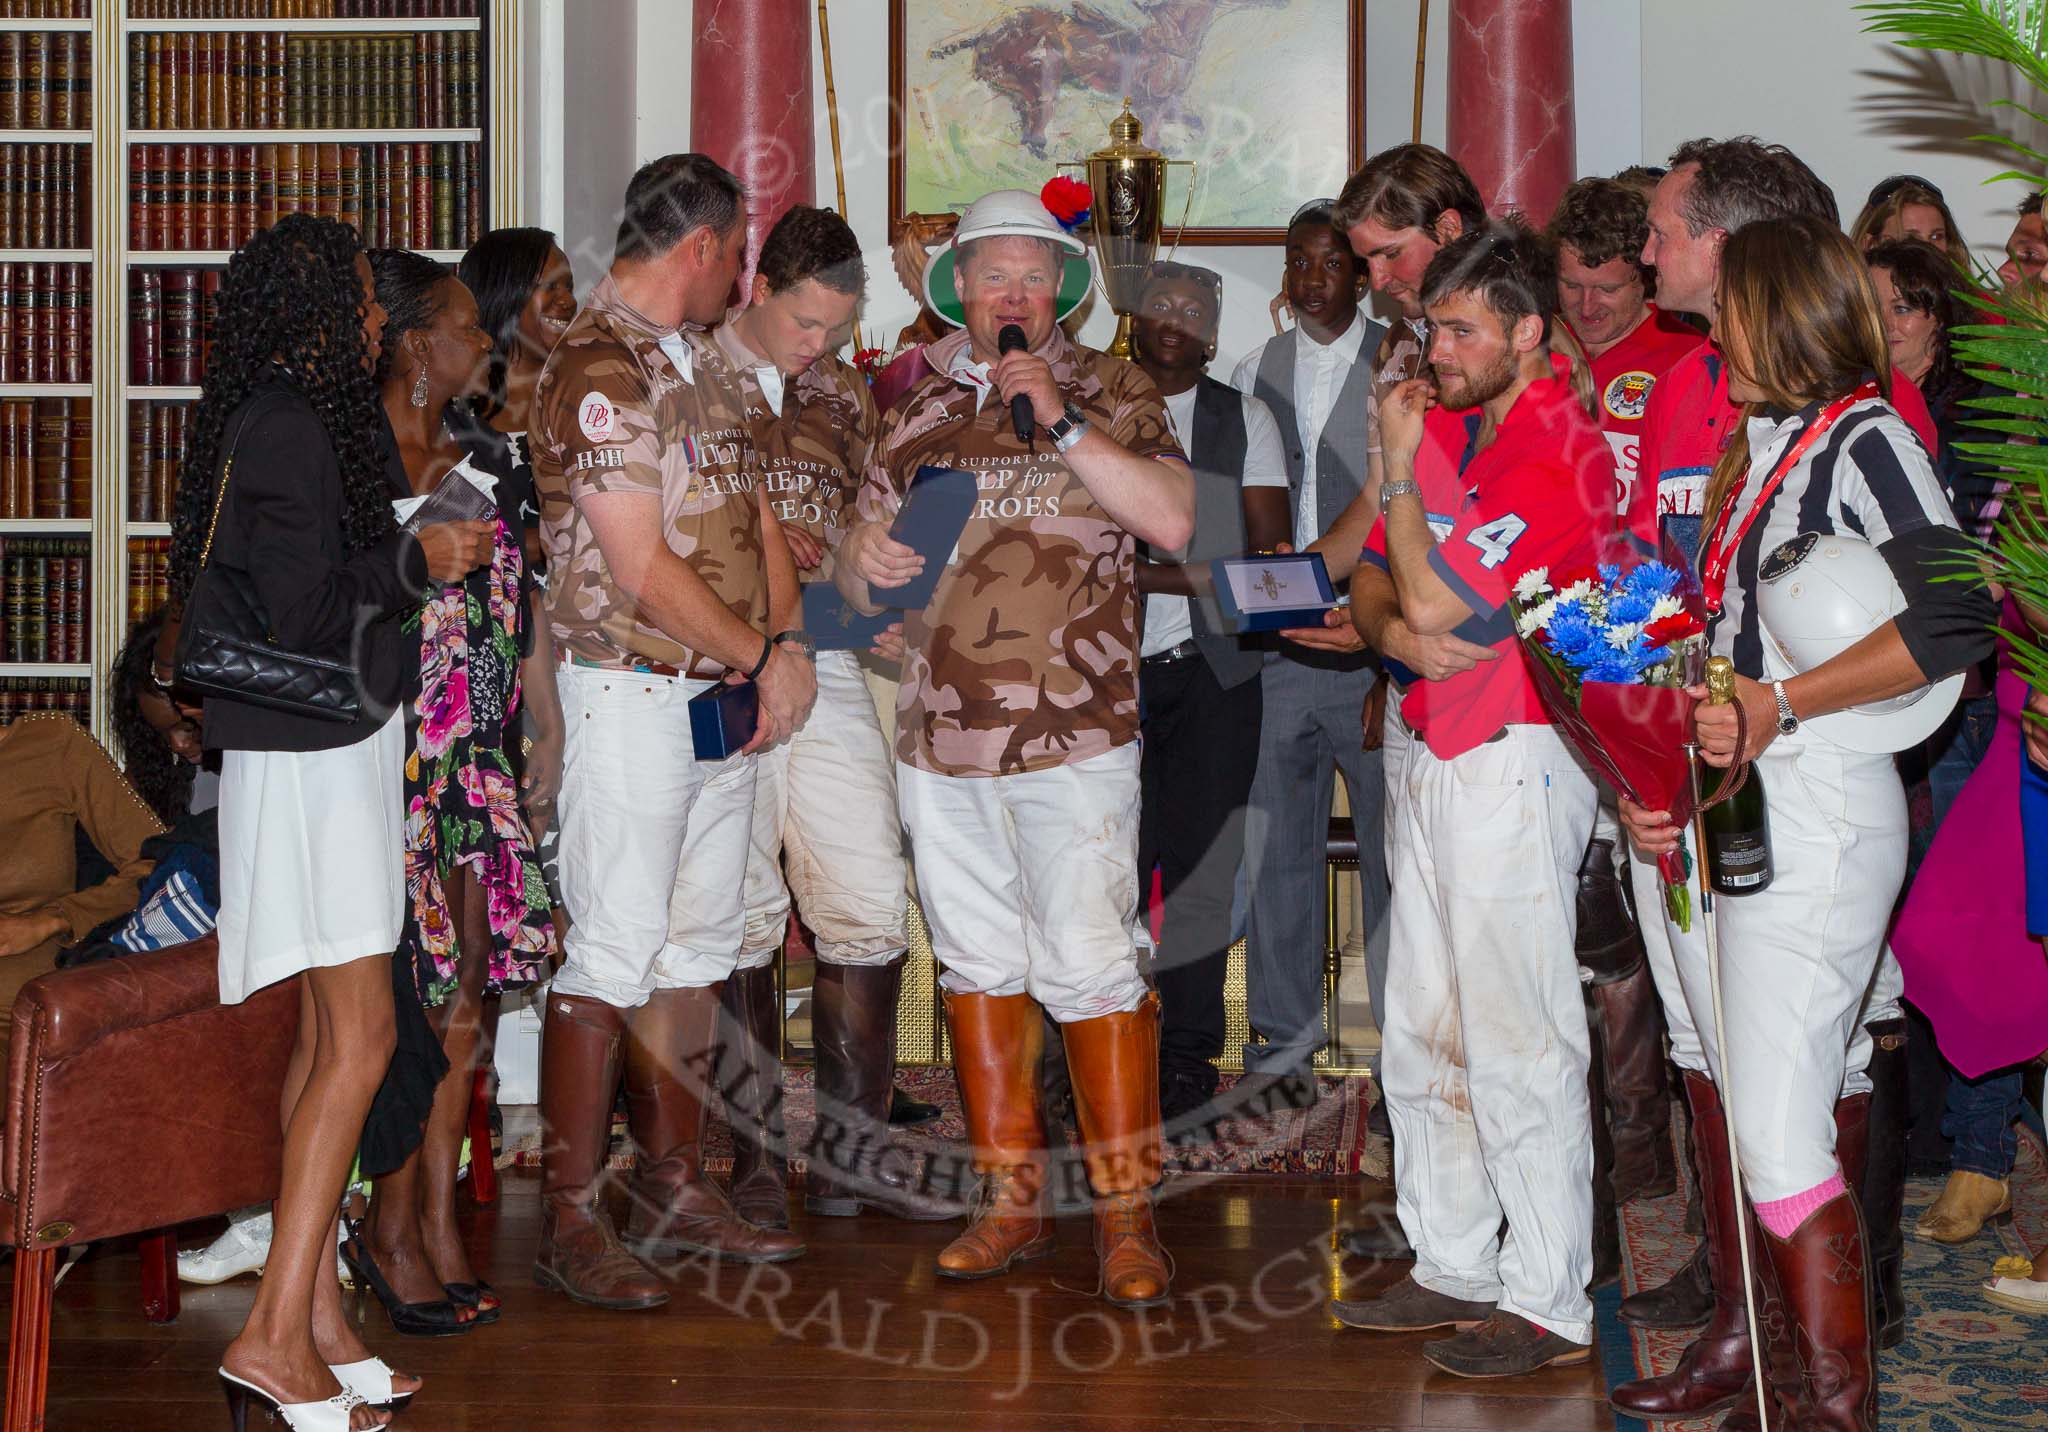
point(312, 858)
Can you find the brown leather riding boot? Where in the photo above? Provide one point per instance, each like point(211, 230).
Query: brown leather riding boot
point(1684, 1301)
point(1822, 1275)
point(996, 1043)
point(1066, 1172)
point(1714, 1371)
point(750, 1076)
point(1783, 1402)
point(1606, 940)
point(580, 1253)
point(1881, 1189)
point(1115, 1063)
point(676, 1209)
point(1638, 1098)
point(854, 1164)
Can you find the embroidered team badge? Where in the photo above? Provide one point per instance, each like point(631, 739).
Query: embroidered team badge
point(598, 419)
point(1785, 558)
point(1628, 394)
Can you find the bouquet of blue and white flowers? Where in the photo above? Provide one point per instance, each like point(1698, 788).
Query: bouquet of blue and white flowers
point(1607, 624)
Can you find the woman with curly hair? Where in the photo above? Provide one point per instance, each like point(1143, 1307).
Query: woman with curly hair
point(160, 745)
point(288, 435)
point(478, 915)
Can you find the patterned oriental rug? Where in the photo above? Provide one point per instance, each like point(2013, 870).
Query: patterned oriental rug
point(1328, 1139)
point(1965, 1366)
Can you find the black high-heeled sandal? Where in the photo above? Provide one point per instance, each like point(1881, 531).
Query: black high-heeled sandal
point(439, 1319)
point(472, 1295)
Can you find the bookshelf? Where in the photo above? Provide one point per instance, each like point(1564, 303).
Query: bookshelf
point(93, 501)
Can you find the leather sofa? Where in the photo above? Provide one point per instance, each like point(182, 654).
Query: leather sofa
point(135, 1102)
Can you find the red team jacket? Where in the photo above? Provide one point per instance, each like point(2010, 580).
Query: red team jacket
point(1625, 377)
point(1539, 495)
point(1689, 423)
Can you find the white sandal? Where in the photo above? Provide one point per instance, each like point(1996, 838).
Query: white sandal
point(2011, 1285)
point(372, 1381)
point(333, 1415)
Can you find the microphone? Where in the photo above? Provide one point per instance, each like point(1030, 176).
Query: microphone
point(1009, 340)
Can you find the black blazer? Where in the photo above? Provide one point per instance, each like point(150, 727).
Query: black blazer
point(282, 524)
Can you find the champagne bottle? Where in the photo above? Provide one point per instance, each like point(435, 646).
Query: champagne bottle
point(1738, 830)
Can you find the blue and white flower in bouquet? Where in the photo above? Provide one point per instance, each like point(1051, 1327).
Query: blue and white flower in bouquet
point(1608, 624)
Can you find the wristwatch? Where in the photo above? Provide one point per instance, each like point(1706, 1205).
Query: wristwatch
point(799, 639)
point(1399, 487)
point(1787, 722)
point(1070, 429)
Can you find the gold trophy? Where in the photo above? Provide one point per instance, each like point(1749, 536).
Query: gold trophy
point(1128, 181)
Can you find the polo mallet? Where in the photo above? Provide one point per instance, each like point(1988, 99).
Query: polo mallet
point(1710, 926)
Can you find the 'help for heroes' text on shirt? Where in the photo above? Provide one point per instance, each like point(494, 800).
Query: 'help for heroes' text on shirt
point(1026, 657)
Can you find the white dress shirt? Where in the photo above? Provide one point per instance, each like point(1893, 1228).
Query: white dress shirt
point(1167, 623)
point(1319, 370)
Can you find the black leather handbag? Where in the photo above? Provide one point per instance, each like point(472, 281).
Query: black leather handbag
point(226, 649)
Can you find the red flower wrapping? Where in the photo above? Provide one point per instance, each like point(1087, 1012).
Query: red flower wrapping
point(1633, 736)
point(1068, 200)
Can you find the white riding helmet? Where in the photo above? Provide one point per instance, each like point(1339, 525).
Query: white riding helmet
point(1819, 594)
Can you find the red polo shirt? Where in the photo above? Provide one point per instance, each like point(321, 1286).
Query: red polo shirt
point(1623, 379)
point(1689, 423)
point(1541, 494)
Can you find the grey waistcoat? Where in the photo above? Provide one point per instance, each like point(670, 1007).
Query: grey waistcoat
point(1340, 448)
point(1216, 450)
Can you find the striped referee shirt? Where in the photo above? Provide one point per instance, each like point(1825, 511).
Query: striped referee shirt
point(1868, 476)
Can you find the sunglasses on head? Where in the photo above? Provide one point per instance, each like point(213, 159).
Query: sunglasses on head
point(1888, 187)
point(1167, 268)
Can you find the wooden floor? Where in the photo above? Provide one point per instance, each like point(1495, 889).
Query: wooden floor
point(859, 1334)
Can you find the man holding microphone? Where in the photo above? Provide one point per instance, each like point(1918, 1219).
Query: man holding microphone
point(1017, 728)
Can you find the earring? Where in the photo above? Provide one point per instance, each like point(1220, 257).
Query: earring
point(1212, 352)
point(419, 390)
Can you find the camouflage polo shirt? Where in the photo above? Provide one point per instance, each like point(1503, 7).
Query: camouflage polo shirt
point(1026, 657)
point(626, 406)
point(815, 451)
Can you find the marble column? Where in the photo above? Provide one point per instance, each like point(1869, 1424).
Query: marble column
point(1510, 101)
point(750, 104)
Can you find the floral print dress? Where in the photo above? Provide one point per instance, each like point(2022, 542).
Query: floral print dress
point(461, 796)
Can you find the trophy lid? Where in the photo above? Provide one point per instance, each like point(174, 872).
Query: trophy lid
point(1126, 138)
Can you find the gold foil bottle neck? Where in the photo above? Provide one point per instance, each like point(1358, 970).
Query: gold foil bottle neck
point(1720, 680)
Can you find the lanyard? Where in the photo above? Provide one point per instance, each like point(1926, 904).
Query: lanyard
point(1720, 554)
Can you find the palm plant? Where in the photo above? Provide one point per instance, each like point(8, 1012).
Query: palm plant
point(2009, 354)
